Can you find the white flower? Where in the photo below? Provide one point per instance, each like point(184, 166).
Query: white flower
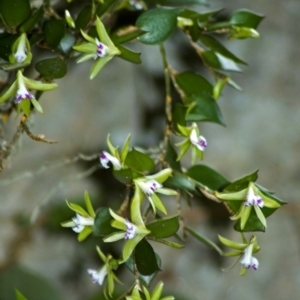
point(130, 230)
point(149, 187)
point(198, 141)
point(22, 93)
point(20, 54)
point(80, 222)
point(253, 199)
point(102, 49)
point(105, 158)
point(98, 276)
point(249, 261)
point(136, 4)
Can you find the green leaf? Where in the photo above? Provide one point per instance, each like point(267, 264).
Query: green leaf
point(6, 42)
point(126, 175)
point(159, 23)
point(19, 296)
point(145, 258)
point(246, 18)
point(84, 17)
point(29, 24)
point(164, 227)
point(204, 108)
point(219, 62)
point(14, 12)
point(123, 38)
point(185, 2)
point(103, 7)
point(180, 181)
point(242, 183)
point(208, 177)
point(204, 240)
point(171, 157)
point(52, 68)
point(216, 46)
point(193, 83)
point(139, 161)
point(178, 116)
point(102, 222)
point(129, 55)
point(54, 32)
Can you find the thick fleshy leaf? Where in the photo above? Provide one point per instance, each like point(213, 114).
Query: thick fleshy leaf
point(204, 108)
point(164, 227)
point(130, 246)
point(87, 230)
point(102, 222)
point(171, 157)
point(77, 208)
point(184, 2)
point(129, 55)
point(208, 177)
point(159, 23)
point(126, 175)
point(246, 18)
point(88, 204)
point(145, 258)
point(6, 42)
point(29, 24)
point(193, 83)
point(52, 68)
point(14, 12)
point(9, 93)
point(19, 296)
point(24, 105)
point(242, 183)
point(84, 17)
point(216, 46)
point(219, 62)
point(178, 115)
point(131, 33)
point(99, 64)
point(54, 32)
point(180, 181)
point(139, 161)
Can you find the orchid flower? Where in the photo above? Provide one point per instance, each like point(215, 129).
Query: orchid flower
point(252, 197)
point(101, 49)
point(21, 51)
point(115, 157)
point(131, 231)
point(192, 138)
point(22, 95)
point(98, 276)
point(244, 252)
point(83, 221)
point(150, 185)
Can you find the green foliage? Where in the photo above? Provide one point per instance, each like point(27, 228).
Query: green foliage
point(51, 38)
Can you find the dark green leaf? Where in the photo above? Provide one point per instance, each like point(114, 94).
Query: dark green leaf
point(145, 258)
point(207, 177)
point(126, 175)
point(54, 32)
point(6, 42)
point(171, 158)
point(185, 2)
point(20, 296)
point(159, 23)
point(146, 279)
point(242, 183)
point(30, 22)
point(246, 18)
point(205, 108)
point(216, 46)
point(180, 181)
point(33, 285)
point(102, 222)
point(103, 7)
point(205, 18)
point(52, 68)
point(178, 116)
point(14, 12)
point(193, 83)
point(139, 161)
point(219, 62)
point(164, 227)
point(123, 38)
point(84, 17)
point(129, 55)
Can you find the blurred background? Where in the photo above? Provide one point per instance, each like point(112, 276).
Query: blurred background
point(262, 132)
